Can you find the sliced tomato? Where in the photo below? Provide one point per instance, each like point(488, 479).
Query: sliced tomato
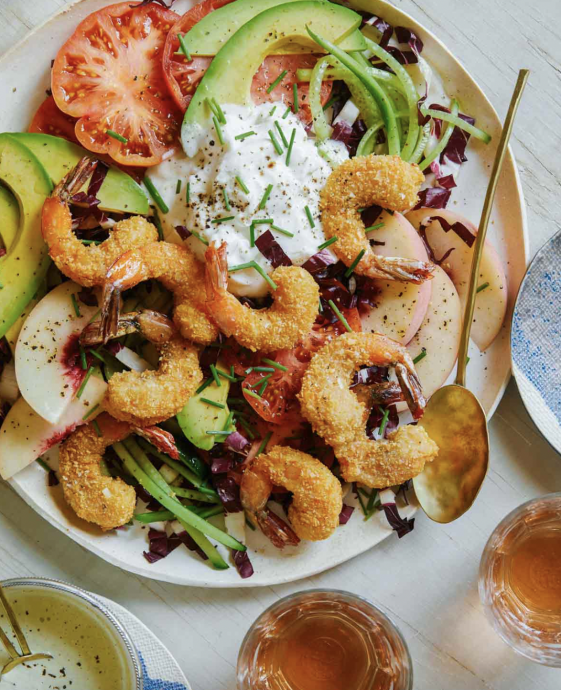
point(183, 76)
point(49, 119)
point(109, 75)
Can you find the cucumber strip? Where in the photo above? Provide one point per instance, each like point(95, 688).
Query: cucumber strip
point(368, 141)
point(424, 136)
point(337, 74)
point(172, 504)
point(410, 93)
point(458, 122)
point(177, 466)
point(444, 139)
point(377, 92)
point(167, 515)
point(321, 126)
point(195, 495)
point(362, 98)
point(205, 545)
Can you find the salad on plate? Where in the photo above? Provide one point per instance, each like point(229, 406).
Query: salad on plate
point(229, 279)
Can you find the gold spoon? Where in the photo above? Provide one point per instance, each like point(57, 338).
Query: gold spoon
point(26, 654)
point(454, 418)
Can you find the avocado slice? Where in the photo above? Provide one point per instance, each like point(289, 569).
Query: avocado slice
point(229, 77)
point(212, 32)
point(119, 192)
point(198, 417)
point(26, 262)
point(9, 217)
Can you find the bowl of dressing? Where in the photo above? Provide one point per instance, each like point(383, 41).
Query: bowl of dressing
point(91, 649)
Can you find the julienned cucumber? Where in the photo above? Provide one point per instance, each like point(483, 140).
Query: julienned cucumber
point(462, 124)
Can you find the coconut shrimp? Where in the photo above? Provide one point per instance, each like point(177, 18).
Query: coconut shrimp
point(386, 181)
point(317, 495)
point(149, 397)
point(282, 325)
point(178, 270)
point(337, 415)
point(87, 264)
point(105, 501)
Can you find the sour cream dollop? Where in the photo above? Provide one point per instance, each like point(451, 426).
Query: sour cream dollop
point(215, 175)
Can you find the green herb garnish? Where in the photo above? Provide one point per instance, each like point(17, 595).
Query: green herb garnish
point(90, 412)
point(242, 184)
point(178, 187)
point(276, 144)
point(295, 106)
point(290, 145)
point(226, 199)
point(213, 403)
point(224, 219)
point(420, 356)
point(183, 46)
point(282, 231)
point(482, 287)
point(215, 376)
point(201, 239)
point(241, 137)
point(204, 384)
point(309, 216)
point(374, 227)
point(355, 263)
point(274, 364)
point(257, 267)
point(264, 443)
point(277, 81)
point(281, 133)
point(75, 305)
point(328, 242)
point(265, 197)
point(115, 135)
point(340, 316)
point(218, 129)
point(155, 194)
point(84, 382)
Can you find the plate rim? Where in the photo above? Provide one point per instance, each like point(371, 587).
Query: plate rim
point(75, 535)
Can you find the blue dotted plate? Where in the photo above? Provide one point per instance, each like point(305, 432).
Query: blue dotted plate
point(536, 341)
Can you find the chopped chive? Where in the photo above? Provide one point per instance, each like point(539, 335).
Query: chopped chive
point(320, 308)
point(178, 187)
point(281, 133)
point(277, 81)
point(226, 199)
point(218, 129)
point(96, 354)
point(188, 193)
point(328, 242)
point(201, 239)
point(286, 113)
point(420, 356)
point(340, 316)
point(84, 382)
point(235, 401)
point(363, 507)
point(265, 198)
point(224, 219)
point(204, 384)
point(90, 412)
point(217, 110)
point(290, 145)
point(155, 194)
point(75, 305)
point(242, 184)
point(262, 221)
point(252, 235)
point(374, 227)
point(83, 359)
point(96, 427)
point(229, 377)
point(247, 426)
point(215, 375)
point(276, 144)
point(158, 223)
point(241, 137)
point(295, 106)
point(251, 393)
point(218, 433)
point(263, 387)
point(355, 263)
point(43, 464)
point(213, 403)
point(274, 364)
point(183, 46)
point(229, 421)
point(384, 421)
point(264, 442)
point(330, 102)
point(257, 267)
point(310, 217)
point(272, 111)
point(88, 242)
point(263, 369)
point(482, 287)
point(232, 371)
point(282, 231)
point(258, 383)
point(115, 135)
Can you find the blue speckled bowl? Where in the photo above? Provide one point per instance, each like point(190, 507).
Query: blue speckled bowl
point(536, 341)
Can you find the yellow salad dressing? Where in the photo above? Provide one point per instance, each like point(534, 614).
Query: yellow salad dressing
point(87, 651)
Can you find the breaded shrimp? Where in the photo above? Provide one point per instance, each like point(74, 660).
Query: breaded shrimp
point(178, 270)
point(282, 325)
point(386, 181)
point(317, 495)
point(337, 415)
point(87, 265)
point(150, 397)
point(105, 501)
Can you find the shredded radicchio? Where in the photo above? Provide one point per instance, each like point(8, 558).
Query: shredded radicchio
point(459, 228)
point(237, 442)
point(87, 296)
point(385, 29)
point(228, 492)
point(350, 135)
point(52, 479)
point(433, 197)
point(160, 545)
point(243, 564)
point(97, 178)
point(221, 465)
point(405, 35)
point(318, 262)
point(345, 514)
point(370, 375)
point(400, 525)
point(271, 250)
point(182, 231)
point(375, 419)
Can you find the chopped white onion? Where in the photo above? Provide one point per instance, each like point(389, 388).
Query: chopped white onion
point(386, 496)
point(168, 473)
point(348, 114)
point(131, 360)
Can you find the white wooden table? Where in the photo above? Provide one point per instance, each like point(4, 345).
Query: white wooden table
point(428, 581)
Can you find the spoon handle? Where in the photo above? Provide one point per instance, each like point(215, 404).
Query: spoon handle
point(484, 223)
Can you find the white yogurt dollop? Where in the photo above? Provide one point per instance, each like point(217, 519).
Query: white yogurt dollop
point(214, 173)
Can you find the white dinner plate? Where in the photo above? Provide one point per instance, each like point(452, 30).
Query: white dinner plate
point(24, 76)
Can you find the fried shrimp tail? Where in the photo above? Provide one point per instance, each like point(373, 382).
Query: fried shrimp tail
point(178, 270)
point(149, 397)
point(86, 264)
point(386, 181)
point(338, 416)
point(105, 501)
point(282, 325)
point(317, 495)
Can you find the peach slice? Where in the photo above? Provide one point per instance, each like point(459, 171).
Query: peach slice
point(491, 301)
point(48, 368)
point(439, 334)
point(25, 435)
point(401, 307)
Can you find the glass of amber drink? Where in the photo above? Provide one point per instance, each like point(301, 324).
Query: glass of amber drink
point(324, 640)
point(520, 580)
